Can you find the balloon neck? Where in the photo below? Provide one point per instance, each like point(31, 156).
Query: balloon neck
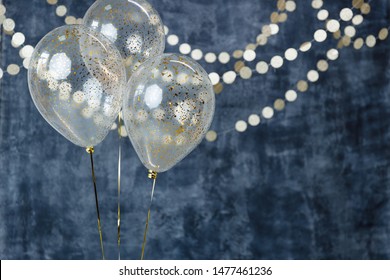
point(152, 174)
point(90, 150)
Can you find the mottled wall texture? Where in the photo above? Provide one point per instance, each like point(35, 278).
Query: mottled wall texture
point(311, 183)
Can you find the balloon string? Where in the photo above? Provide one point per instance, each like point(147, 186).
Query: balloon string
point(91, 151)
point(119, 185)
point(154, 177)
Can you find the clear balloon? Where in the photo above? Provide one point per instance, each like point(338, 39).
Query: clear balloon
point(168, 108)
point(134, 26)
point(77, 81)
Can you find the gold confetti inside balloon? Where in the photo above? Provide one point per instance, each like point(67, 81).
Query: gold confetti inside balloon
point(168, 108)
point(77, 80)
point(134, 26)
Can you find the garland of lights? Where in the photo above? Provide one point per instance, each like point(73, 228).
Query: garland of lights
point(242, 56)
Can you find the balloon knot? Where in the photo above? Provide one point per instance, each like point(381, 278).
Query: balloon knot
point(152, 174)
point(90, 150)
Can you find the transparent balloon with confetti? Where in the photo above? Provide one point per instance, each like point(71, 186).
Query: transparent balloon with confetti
point(77, 80)
point(133, 26)
point(168, 108)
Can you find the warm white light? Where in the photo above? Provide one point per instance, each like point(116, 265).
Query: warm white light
point(110, 31)
point(60, 66)
point(153, 96)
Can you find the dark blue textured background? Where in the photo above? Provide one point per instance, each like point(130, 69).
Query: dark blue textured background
point(312, 183)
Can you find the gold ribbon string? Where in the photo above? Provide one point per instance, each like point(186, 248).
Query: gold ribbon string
point(90, 151)
point(119, 185)
point(152, 175)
